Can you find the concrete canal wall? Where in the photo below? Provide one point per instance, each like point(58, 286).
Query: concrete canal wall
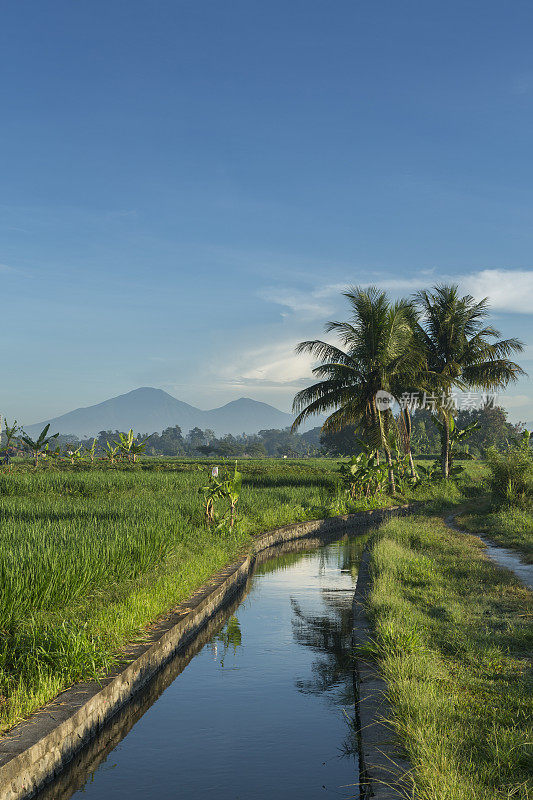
point(37, 749)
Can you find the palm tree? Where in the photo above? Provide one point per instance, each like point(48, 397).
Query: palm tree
point(459, 350)
point(376, 353)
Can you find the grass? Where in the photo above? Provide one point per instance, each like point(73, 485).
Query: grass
point(454, 639)
point(90, 557)
point(508, 525)
point(502, 507)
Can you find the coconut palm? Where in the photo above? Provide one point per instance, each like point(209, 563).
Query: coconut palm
point(377, 352)
point(460, 351)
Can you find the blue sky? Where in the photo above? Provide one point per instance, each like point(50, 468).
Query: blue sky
point(187, 186)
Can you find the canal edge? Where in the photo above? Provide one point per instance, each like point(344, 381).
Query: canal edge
point(38, 748)
point(383, 767)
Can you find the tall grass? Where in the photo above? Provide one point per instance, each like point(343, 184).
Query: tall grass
point(454, 638)
point(505, 511)
point(90, 557)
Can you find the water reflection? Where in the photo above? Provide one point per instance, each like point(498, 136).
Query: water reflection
point(229, 637)
point(263, 710)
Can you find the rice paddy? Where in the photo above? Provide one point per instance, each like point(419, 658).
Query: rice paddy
point(89, 557)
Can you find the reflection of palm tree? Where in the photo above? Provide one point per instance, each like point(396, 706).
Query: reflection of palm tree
point(329, 634)
point(330, 637)
point(350, 555)
point(229, 636)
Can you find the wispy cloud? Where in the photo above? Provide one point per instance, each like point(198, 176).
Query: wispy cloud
point(312, 303)
point(272, 366)
point(508, 290)
point(323, 300)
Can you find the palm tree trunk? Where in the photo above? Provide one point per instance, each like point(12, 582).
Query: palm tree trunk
point(408, 430)
point(384, 443)
point(392, 482)
point(445, 447)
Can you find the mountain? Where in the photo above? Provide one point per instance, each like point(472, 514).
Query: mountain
point(148, 410)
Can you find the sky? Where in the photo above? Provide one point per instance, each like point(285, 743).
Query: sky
point(188, 186)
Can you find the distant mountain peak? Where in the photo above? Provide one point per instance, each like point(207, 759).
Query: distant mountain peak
point(148, 409)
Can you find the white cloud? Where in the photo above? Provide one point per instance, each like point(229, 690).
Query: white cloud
point(321, 301)
point(275, 365)
point(507, 289)
point(306, 304)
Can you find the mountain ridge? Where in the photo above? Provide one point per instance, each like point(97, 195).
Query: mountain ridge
point(150, 410)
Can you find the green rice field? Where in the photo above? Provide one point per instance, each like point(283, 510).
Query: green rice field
point(89, 557)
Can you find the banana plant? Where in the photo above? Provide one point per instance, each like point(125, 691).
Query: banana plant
point(212, 491)
point(404, 470)
point(73, 454)
point(232, 489)
point(10, 434)
point(130, 446)
point(363, 475)
point(430, 473)
point(227, 488)
point(91, 450)
point(111, 451)
point(38, 446)
point(523, 442)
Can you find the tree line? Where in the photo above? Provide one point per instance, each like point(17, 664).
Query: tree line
point(494, 430)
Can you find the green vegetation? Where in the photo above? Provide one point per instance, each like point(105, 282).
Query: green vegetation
point(130, 446)
point(430, 345)
point(226, 487)
point(505, 513)
point(454, 640)
point(93, 553)
point(38, 446)
point(90, 555)
point(509, 526)
point(378, 351)
point(459, 352)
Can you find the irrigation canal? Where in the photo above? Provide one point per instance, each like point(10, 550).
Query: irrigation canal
point(261, 705)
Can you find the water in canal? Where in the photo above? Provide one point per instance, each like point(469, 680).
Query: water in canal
point(261, 707)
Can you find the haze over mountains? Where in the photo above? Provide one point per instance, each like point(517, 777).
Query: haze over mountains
point(149, 410)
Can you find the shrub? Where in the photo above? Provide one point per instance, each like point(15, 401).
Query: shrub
point(511, 475)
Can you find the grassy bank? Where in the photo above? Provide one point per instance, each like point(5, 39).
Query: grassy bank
point(508, 525)
point(504, 511)
point(90, 557)
point(455, 639)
